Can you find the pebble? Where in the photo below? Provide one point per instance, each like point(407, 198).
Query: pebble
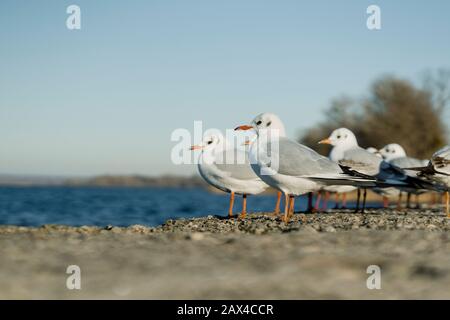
point(263, 223)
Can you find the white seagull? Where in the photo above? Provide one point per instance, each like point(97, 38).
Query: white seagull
point(396, 155)
point(359, 160)
point(438, 171)
point(227, 169)
point(386, 193)
point(290, 167)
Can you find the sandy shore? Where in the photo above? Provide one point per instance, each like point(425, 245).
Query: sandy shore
point(315, 256)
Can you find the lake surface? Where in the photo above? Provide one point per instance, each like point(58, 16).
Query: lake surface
point(35, 206)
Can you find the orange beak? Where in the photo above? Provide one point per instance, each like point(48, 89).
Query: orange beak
point(244, 127)
point(325, 141)
point(195, 148)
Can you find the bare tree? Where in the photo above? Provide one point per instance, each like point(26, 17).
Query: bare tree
point(438, 84)
point(394, 111)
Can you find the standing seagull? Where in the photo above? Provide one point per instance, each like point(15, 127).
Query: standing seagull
point(396, 155)
point(290, 167)
point(386, 193)
point(438, 170)
point(359, 160)
point(339, 188)
point(218, 167)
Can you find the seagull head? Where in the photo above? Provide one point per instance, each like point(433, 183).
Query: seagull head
point(341, 137)
point(392, 151)
point(265, 122)
point(210, 142)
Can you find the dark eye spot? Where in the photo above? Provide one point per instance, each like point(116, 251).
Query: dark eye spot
point(259, 122)
point(338, 136)
point(209, 142)
point(269, 123)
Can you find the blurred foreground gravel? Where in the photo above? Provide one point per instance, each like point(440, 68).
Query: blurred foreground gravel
point(315, 256)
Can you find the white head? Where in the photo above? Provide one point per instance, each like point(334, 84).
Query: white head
point(265, 121)
point(392, 151)
point(341, 138)
point(211, 141)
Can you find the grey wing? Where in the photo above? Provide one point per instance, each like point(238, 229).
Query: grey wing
point(362, 161)
point(298, 160)
point(236, 165)
point(441, 160)
point(407, 162)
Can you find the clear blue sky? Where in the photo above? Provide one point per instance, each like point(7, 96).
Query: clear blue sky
point(105, 99)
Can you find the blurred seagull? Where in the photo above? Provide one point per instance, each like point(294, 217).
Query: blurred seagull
point(438, 171)
point(386, 193)
point(357, 160)
point(339, 188)
point(396, 155)
point(218, 165)
point(290, 167)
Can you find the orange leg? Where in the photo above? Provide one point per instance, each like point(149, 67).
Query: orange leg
point(286, 207)
point(385, 202)
point(230, 210)
point(244, 206)
point(344, 201)
point(277, 206)
point(291, 206)
point(316, 205)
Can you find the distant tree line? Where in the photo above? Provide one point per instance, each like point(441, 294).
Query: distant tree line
point(394, 111)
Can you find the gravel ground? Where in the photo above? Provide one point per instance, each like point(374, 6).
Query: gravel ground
point(315, 256)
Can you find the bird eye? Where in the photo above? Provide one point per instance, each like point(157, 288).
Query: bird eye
point(269, 123)
point(338, 136)
point(259, 122)
point(210, 141)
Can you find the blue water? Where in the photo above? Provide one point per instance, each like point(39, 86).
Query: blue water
point(35, 206)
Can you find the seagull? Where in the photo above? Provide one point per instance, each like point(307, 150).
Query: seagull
point(438, 171)
point(290, 167)
point(218, 166)
point(396, 155)
point(341, 188)
point(386, 193)
point(357, 160)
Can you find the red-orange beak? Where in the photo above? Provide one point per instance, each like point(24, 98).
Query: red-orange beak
point(197, 147)
point(325, 141)
point(244, 127)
